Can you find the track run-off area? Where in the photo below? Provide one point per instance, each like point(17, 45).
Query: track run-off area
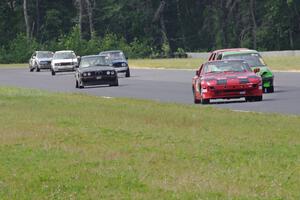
point(161, 85)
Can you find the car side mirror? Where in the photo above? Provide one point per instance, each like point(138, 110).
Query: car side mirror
point(256, 70)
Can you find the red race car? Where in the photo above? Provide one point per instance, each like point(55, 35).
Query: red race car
point(226, 79)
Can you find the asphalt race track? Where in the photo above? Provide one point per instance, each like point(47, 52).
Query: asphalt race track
point(161, 85)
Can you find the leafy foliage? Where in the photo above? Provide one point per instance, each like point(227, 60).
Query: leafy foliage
point(137, 27)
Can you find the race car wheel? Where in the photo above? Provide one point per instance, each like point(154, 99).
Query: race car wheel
point(205, 101)
point(53, 72)
point(127, 73)
point(196, 101)
point(255, 98)
point(116, 83)
point(249, 99)
point(259, 98)
point(270, 89)
point(80, 84)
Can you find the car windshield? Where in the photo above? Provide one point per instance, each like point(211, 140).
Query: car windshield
point(64, 55)
point(94, 61)
point(253, 59)
point(44, 55)
point(226, 66)
point(115, 55)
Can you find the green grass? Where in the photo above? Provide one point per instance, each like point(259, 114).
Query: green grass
point(284, 63)
point(72, 146)
point(189, 63)
point(13, 65)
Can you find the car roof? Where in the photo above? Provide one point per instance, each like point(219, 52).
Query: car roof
point(65, 51)
point(239, 52)
point(218, 61)
point(43, 51)
point(231, 49)
point(112, 51)
point(91, 56)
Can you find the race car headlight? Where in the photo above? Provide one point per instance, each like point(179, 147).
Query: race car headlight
point(108, 72)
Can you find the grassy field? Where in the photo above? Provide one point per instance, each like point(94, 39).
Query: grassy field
point(275, 63)
point(19, 65)
point(284, 63)
point(72, 146)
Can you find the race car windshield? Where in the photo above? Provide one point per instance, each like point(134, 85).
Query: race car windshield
point(115, 55)
point(44, 55)
point(64, 55)
point(226, 66)
point(253, 60)
point(94, 61)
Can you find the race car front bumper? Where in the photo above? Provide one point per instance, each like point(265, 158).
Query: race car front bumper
point(230, 92)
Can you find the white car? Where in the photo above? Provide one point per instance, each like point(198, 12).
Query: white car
point(40, 60)
point(64, 61)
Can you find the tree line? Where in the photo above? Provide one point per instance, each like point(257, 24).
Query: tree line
point(149, 28)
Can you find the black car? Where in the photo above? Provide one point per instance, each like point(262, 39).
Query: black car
point(118, 60)
point(95, 70)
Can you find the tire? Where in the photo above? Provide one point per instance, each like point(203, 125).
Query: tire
point(127, 73)
point(258, 98)
point(196, 101)
point(116, 83)
point(270, 89)
point(249, 99)
point(205, 101)
point(31, 69)
point(80, 85)
point(38, 69)
point(255, 98)
point(53, 72)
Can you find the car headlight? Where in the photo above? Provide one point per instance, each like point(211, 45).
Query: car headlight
point(124, 65)
point(84, 74)
point(89, 73)
point(112, 72)
point(108, 72)
point(57, 64)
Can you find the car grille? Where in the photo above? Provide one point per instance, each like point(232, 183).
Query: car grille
point(65, 64)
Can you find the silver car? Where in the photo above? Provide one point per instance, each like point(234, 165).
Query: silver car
point(64, 61)
point(40, 60)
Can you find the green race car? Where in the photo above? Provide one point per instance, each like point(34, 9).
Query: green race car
point(254, 59)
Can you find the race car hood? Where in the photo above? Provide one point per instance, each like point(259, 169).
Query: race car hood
point(228, 75)
point(230, 78)
point(96, 68)
point(64, 60)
